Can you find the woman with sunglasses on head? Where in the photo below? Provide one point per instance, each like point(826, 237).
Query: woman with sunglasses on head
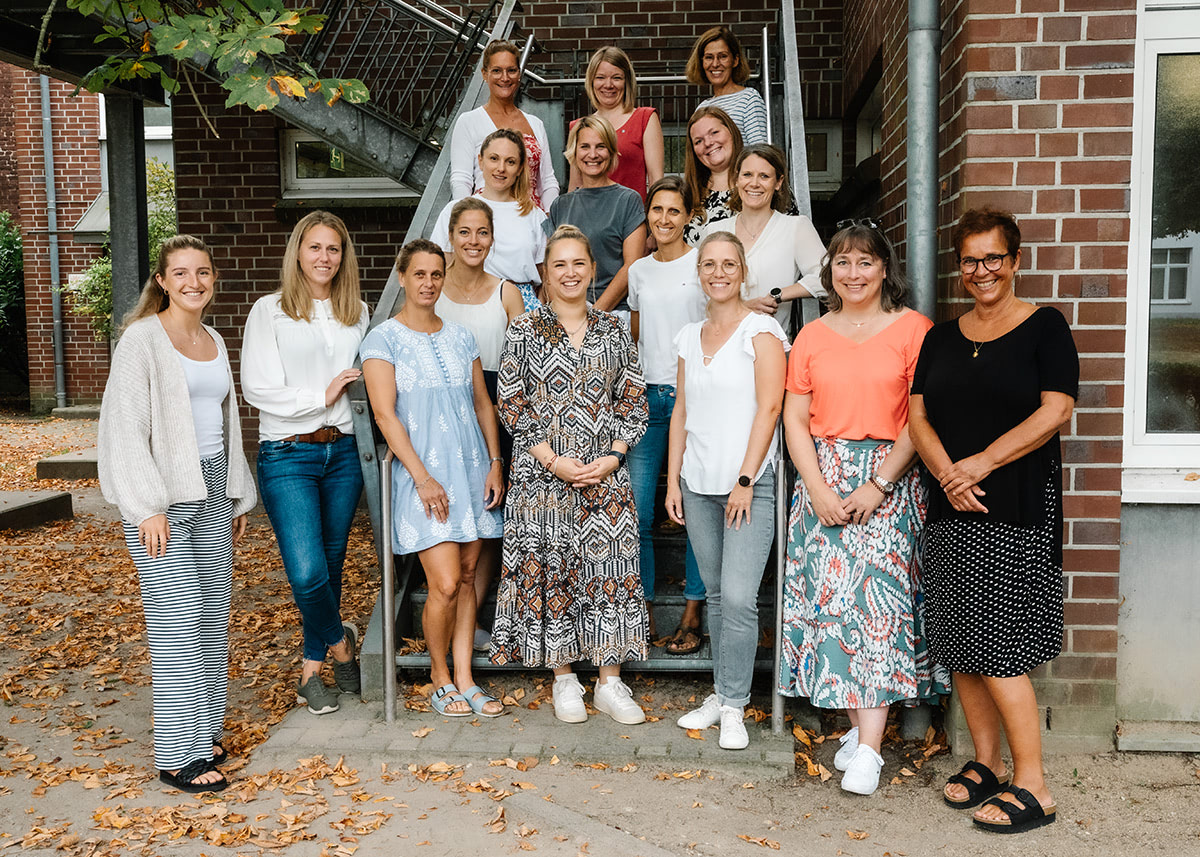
point(502, 72)
point(783, 250)
point(991, 392)
point(171, 460)
point(612, 89)
point(721, 471)
point(717, 59)
point(852, 593)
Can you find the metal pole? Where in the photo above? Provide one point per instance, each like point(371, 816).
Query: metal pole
point(60, 371)
point(781, 540)
point(766, 82)
point(924, 47)
point(387, 586)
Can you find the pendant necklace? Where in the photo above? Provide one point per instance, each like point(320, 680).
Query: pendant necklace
point(977, 345)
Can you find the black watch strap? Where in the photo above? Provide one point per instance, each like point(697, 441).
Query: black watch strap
point(619, 456)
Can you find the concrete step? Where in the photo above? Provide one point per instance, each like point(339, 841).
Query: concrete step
point(70, 465)
point(77, 412)
point(21, 509)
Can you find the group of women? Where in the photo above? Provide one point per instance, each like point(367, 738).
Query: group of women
point(541, 370)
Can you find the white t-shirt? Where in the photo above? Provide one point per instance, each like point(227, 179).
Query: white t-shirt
point(518, 241)
point(721, 405)
point(666, 296)
point(288, 364)
point(208, 385)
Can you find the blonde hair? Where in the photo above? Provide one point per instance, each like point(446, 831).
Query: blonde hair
point(154, 298)
point(521, 190)
point(607, 136)
point(616, 57)
point(695, 173)
point(567, 232)
point(727, 238)
point(695, 64)
point(344, 293)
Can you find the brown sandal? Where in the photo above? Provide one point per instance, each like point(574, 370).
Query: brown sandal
point(684, 641)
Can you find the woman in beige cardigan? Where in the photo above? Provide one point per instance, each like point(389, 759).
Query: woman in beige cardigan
point(170, 458)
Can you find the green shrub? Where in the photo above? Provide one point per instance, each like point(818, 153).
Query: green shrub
point(12, 298)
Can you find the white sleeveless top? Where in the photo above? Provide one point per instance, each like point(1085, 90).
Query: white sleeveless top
point(488, 321)
point(721, 405)
point(208, 385)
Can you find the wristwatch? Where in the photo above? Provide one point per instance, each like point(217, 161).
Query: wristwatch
point(777, 294)
point(619, 456)
point(744, 481)
point(882, 484)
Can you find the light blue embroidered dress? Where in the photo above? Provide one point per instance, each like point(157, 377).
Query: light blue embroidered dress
point(435, 403)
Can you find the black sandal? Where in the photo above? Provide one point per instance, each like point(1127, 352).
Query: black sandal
point(220, 754)
point(185, 778)
point(685, 640)
point(977, 792)
point(1020, 818)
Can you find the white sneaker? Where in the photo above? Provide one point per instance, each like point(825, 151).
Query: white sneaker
point(862, 774)
point(733, 728)
point(568, 699)
point(615, 699)
point(708, 714)
point(846, 752)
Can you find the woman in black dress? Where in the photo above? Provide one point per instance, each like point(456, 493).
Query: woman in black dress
point(990, 392)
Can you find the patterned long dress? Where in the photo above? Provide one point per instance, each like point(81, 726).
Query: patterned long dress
point(570, 588)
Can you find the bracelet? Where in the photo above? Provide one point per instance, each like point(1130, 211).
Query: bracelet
point(497, 458)
point(550, 464)
point(426, 482)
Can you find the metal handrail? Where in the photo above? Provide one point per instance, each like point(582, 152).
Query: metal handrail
point(387, 568)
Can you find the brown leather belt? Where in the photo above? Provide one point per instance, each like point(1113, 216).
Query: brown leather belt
point(328, 434)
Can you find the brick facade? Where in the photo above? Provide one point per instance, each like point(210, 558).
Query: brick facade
point(76, 130)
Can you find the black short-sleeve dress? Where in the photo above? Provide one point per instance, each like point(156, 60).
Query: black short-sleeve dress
point(993, 583)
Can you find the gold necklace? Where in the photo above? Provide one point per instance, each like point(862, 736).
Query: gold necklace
point(578, 327)
point(977, 345)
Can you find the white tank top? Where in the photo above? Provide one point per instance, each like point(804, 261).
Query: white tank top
point(487, 321)
point(208, 385)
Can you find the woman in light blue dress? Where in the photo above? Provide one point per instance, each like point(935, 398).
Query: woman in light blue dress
point(425, 383)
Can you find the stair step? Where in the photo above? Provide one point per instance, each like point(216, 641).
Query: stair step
point(70, 465)
point(19, 509)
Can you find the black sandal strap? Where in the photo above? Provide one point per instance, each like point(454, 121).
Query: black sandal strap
point(1033, 806)
point(987, 780)
point(189, 772)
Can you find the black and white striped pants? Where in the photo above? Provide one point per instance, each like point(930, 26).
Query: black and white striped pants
point(185, 600)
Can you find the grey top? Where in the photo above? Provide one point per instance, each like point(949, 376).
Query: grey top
point(607, 216)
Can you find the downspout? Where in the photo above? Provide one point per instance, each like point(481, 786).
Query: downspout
point(60, 375)
point(924, 50)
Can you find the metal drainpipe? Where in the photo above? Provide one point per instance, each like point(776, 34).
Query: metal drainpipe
point(924, 50)
point(60, 375)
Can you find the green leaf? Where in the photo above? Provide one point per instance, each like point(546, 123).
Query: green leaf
point(355, 91)
point(252, 88)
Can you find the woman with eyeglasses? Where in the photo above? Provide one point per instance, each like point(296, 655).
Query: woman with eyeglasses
point(992, 390)
point(852, 593)
point(721, 471)
point(783, 250)
point(717, 59)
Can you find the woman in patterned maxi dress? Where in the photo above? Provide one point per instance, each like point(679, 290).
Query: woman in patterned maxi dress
point(571, 393)
point(852, 594)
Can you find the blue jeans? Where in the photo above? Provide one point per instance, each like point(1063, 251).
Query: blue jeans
point(732, 564)
point(310, 491)
point(645, 463)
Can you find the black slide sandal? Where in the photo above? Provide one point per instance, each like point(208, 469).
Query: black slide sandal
point(185, 778)
point(1020, 818)
point(977, 792)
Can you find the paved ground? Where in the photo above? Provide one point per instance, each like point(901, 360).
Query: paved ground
point(77, 778)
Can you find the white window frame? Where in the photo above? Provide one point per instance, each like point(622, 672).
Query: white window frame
point(1168, 267)
point(1156, 466)
point(293, 187)
point(830, 178)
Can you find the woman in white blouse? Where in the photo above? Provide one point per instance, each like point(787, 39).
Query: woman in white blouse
point(721, 471)
point(502, 71)
point(297, 361)
point(783, 251)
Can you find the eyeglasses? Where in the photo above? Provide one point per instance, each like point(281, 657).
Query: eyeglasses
point(991, 262)
point(857, 221)
point(729, 266)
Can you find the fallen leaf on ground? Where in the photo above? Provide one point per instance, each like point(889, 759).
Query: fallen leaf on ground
point(857, 834)
point(760, 841)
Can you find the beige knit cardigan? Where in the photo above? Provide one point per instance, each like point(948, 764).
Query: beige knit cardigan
point(147, 457)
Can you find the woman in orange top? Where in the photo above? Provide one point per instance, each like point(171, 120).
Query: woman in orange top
point(852, 604)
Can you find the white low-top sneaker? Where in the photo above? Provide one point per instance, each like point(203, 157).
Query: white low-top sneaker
point(568, 699)
point(846, 752)
point(708, 714)
point(615, 699)
point(733, 728)
point(862, 774)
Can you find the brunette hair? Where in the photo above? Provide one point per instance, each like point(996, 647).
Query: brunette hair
point(869, 239)
point(471, 203)
point(674, 184)
point(696, 174)
point(521, 186)
point(412, 248)
point(607, 136)
point(781, 200)
point(617, 57)
point(695, 64)
point(499, 46)
point(344, 293)
point(978, 220)
point(154, 298)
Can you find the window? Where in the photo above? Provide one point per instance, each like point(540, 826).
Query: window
point(1162, 424)
point(312, 167)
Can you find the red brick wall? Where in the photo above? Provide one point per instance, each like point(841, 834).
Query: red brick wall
point(10, 197)
point(76, 128)
point(819, 34)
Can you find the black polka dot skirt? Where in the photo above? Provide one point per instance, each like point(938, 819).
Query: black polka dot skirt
point(993, 593)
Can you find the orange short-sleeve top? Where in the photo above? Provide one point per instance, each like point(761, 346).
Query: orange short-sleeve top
point(859, 389)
